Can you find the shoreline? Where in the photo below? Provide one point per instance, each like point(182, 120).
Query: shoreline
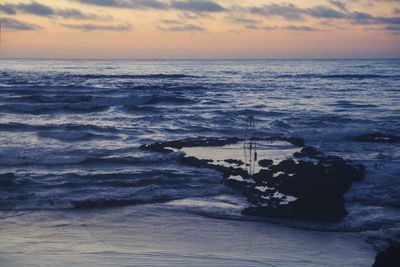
point(155, 236)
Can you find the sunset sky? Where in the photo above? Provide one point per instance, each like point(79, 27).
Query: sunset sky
point(200, 29)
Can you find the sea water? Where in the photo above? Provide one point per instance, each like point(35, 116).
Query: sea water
point(70, 132)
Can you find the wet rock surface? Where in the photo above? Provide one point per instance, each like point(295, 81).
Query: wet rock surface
point(308, 185)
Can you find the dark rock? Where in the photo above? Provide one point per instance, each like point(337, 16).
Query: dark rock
point(196, 142)
point(388, 258)
point(286, 166)
point(317, 188)
point(299, 155)
point(265, 162)
point(195, 162)
point(296, 141)
point(240, 186)
point(263, 176)
point(377, 138)
point(311, 152)
point(343, 170)
point(234, 161)
point(315, 205)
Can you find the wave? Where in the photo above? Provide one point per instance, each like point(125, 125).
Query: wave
point(120, 180)
point(164, 87)
point(151, 159)
point(75, 136)
point(16, 126)
point(133, 76)
point(348, 104)
point(339, 76)
point(333, 133)
point(75, 160)
point(57, 98)
point(110, 202)
point(55, 108)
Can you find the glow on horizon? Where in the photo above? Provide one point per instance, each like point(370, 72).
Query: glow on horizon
point(200, 29)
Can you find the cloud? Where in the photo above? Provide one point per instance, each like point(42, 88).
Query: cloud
point(338, 4)
point(291, 28)
point(197, 6)
point(292, 13)
point(35, 9)
point(185, 5)
point(270, 28)
point(134, 4)
point(8, 9)
point(361, 18)
point(300, 28)
point(387, 20)
point(38, 9)
point(183, 28)
point(13, 24)
point(73, 13)
point(170, 21)
point(96, 27)
point(287, 11)
point(252, 27)
point(240, 20)
point(392, 28)
point(324, 12)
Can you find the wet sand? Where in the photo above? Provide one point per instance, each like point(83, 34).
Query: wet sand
point(151, 235)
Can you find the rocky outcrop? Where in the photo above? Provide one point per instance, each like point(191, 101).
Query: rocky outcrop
point(309, 185)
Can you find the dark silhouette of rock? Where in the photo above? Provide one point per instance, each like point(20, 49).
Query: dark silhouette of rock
point(286, 166)
point(311, 188)
point(388, 258)
point(308, 152)
point(196, 142)
point(265, 162)
point(234, 161)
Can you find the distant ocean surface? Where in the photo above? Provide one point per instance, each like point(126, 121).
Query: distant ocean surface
point(70, 131)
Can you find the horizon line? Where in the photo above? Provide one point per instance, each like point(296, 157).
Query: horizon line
point(199, 59)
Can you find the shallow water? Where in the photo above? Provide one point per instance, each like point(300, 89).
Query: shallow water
point(155, 235)
point(70, 131)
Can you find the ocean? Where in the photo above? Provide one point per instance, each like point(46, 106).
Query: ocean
point(70, 132)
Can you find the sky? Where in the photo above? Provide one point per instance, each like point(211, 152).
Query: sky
point(179, 29)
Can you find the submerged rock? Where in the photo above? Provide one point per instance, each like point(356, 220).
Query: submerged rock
point(308, 185)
